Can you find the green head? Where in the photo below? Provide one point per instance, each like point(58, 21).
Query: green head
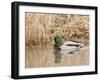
point(58, 40)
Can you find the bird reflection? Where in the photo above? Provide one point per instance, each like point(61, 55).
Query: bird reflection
point(57, 52)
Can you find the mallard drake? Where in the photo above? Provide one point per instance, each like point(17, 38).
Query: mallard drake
point(59, 42)
point(68, 45)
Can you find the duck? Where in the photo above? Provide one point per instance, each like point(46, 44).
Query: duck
point(67, 45)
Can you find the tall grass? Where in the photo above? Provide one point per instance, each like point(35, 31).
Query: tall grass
point(41, 28)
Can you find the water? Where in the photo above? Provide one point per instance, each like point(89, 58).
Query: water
point(49, 57)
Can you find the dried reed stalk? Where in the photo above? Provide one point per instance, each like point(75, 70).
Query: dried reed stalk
point(40, 29)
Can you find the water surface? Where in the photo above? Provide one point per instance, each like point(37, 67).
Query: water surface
point(36, 57)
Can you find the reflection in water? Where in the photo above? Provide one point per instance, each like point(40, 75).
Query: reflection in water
point(57, 57)
point(53, 57)
point(57, 53)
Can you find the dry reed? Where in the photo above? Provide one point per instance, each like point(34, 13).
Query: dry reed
point(40, 28)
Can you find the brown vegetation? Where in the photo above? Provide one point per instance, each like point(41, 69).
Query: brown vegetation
point(40, 28)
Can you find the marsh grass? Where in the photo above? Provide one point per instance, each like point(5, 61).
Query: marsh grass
point(41, 28)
